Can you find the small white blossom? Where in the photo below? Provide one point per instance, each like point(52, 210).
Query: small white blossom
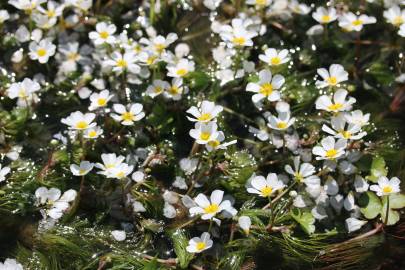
point(199, 244)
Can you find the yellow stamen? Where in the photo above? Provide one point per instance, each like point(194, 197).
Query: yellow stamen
point(158, 89)
point(174, 90)
point(266, 191)
point(261, 2)
point(211, 209)
point(205, 136)
point(387, 189)
point(398, 20)
point(298, 177)
point(331, 153)
point(266, 89)
point(127, 116)
point(181, 72)
point(122, 63)
point(332, 80)
point(325, 18)
point(282, 125)
point(51, 13)
point(104, 34)
point(101, 102)
point(92, 134)
point(357, 22)
point(81, 171)
point(73, 56)
point(81, 125)
point(335, 107)
point(275, 61)
point(200, 246)
point(160, 47)
point(346, 134)
point(239, 41)
point(214, 144)
point(150, 60)
point(41, 52)
point(205, 117)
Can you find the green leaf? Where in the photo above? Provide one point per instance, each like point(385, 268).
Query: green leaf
point(152, 265)
point(397, 201)
point(377, 169)
point(180, 242)
point(305, 219)
point(370, 205)
point(393, 216)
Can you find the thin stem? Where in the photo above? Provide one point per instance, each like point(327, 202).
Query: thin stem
point(388, 210)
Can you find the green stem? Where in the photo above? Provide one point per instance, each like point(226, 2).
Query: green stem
point(388, 210)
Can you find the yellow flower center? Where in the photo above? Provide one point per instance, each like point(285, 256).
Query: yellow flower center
point(120, 174)
point(122, 63)
point(181, 72)
point(325, 18)
point(357, 22)
point(200, 246)
point(73, 56)
point(22, 93)
point(101, 102)
point(214, 143)
point(50, 13)
point(266, 89)
point(335, 107)
point(239, 41)
point(275, 61)
point(281, 125)
point(158, 89)
point(331, 153)
point(346, 134)
point(332, 80)
point(398, 20)
point(174, 90)
point(41, 52)
point(82, 171)
point(104, 34)
point(260, 2)
point(81, 125)
point(92, 134)
point(150, 60)
point(298, 177)
point(205, 136)
point(211, 209)
point(127, 116)
point(205, 117)
point(387, 189)
point(160, 47)
point(266, 191)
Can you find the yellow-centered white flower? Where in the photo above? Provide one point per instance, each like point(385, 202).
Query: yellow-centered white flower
point(351, 22)
point(385, 186)
point(204, 132)
point(82, 169)
point(104, 33)
point(325, 16)
point(395, 16)
point(274, 58)
point(206, 112)
point(267, 86)
point(128, 115)
point(333, 77)
point(199, 244)
point(99, 100)
point(79, 121)
point(209, 208)
point(338, 104)
point(330, 149)
point(42, 50)
point(265, 187)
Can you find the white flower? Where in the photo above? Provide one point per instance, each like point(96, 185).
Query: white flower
point(56, 204)
point(336, 75)
point(385, 186)
point(122, 62)
point(339, 103)
point(180, 183)
point(265, 187)
point(138, 176)
point(353, 224)
point(395, 16)
point(301, 171)
point(24, 91)
point(26, 5)
point(237, 35)
point(169, 211)
point(188, 165)
point(41, 51)
point(82, 169)
point(266, 87)
point(217, 142)
point(273, 57)
point(159, 43)
point(3, 172)
point(204, 132)
point(92, 133)
point(357, 118)
point(206, 112)
point(4, 16)
point(282, 122)
point(330, 149)
point(120, 171)
point(11, 264)
point(79, 121)
point(259, 3)
point(176, 89)
point(199, 244)
point(119, 235)
point(99, 100)
point(212, 4)
point(209, 208)
point(157, 87)
point(52, 11)
point(245, 223)
point(138, 207)
point(340, 131)
point(324, 16)
point(181, 68)
point(299, 8)
point(110, 161)
point(104, 33)
point(349, 203)
point(127, 117)
point(360, 185)
point(351, 22)
point(401, 31)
